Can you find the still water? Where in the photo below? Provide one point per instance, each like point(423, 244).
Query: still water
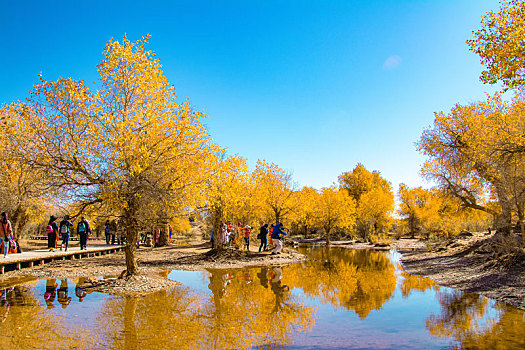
point(340, 298)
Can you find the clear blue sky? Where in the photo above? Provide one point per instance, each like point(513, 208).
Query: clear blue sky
point(314, 86)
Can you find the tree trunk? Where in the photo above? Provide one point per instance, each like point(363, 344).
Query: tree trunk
point(522, 226)
point(327, 236)
point(131, 247)
point(217, 229)
point(277, 216)
point(132, 235)
point(164, 239)
point(504, 220)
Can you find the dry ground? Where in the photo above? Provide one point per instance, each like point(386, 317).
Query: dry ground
point(478, 263)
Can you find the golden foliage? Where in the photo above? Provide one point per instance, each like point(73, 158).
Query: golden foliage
point(499, 43)
point(476, 154)
point(374, 199)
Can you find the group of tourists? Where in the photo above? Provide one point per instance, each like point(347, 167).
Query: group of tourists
point(63, 230)
point(231, 236)
point(114, 232)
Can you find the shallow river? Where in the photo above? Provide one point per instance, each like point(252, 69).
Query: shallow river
point(355, 299)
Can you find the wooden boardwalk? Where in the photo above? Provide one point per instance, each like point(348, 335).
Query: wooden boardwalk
point(43, 256)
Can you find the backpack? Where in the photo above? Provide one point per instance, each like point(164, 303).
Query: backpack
point(82, 227)
point(63, 229)
point(49, 229)
point(262, 233)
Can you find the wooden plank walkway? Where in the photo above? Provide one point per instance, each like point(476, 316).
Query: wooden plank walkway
point(43, 256)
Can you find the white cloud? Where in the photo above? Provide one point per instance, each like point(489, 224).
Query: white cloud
point(392, 62)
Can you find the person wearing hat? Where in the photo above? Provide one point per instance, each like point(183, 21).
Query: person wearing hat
point(52, 233)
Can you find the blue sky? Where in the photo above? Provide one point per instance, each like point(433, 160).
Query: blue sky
point(314, 86)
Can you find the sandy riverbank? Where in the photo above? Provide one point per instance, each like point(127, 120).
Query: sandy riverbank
point(472, 264)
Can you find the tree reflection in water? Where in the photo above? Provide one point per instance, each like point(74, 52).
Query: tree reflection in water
point(239, 314)
point(476, 323)
point(415, 283)
point(27, 325)
point(358, 280)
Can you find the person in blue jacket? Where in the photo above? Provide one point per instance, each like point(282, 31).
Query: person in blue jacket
point(277, 232)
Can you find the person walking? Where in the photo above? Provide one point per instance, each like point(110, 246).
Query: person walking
point(52, 233)
point(65, 231)
point(247, 232)
point(6, 232)
point(263, 234)
point(278, 231)
point(106, 231)
point(83, 230)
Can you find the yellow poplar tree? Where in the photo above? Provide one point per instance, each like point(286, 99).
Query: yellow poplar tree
point(129, 145)
point(499, 43)
point(374, 199)
point(275, 190)
point(229, 193)
point(476, 152)
point(304, 210)
point(24, 191)
point(334, 208)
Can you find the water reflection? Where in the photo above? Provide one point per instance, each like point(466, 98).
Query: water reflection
point(358, 280)
point(476, 322)
point(412, 283)
point(234, 317)
point(26, 324)
point(338, 299)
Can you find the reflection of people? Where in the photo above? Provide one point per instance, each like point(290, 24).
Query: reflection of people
point(79, 291)
point(4, 303)
point(277, 288)
point(263, 277)
point(62, 296)
point(49, 295)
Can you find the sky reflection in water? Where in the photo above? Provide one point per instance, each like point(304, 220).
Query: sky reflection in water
point(338, 299)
